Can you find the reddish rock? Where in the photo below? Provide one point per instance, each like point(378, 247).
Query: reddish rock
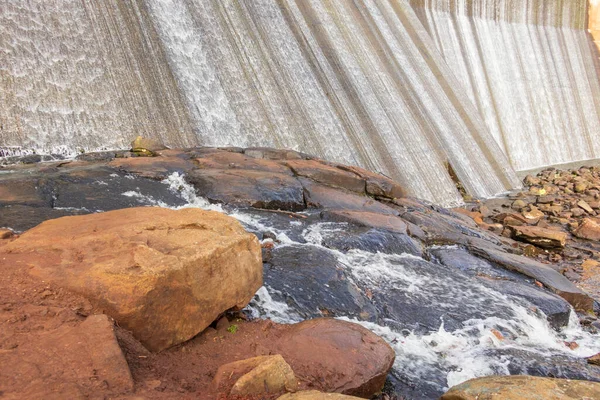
point(267, 375)
point(165, 275)
point(585, 207)
point(273, 154)
point(594, 360)
point(588, 229)
point(336, 356)
point(320, 196)
point(226, 160)
point(377, 185)
point(327, 175)
point(542, 237)
point(68, 362)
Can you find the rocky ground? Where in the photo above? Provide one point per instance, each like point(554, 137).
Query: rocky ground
point(555, 220)
point(98, 305)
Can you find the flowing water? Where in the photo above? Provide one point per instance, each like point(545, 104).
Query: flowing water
point(360, 82)
point(442, 323)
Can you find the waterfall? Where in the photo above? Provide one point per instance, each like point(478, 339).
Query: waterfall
point(529, 68)
point(402, 87)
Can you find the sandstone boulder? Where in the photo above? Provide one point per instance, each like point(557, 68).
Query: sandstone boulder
point(69, 362)
point(256, 376)
point(523, 388)
point(316, 395)
point(542, 237)
point(588, 229)
point(165, 275)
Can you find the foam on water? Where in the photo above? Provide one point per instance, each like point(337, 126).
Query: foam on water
point(455, 355)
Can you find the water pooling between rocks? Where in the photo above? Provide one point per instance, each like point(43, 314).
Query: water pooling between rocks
point(448, 314)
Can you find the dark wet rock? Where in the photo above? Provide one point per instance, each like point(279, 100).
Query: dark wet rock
point(554, 365)
point(373, 241)
point(385, 222)
point(541, 272)
point(260, 189)
point(327, 175)
point(320, 196)
point(315, 282)
point(101, 156)
point(21, 218)
point(152, 167)
point(554, 307)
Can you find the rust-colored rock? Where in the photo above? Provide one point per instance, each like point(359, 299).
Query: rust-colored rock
point(523, 388)
point(336, 356)
point(68, 362)
point(256, 376)
point(328, 175)
point(594, 360)
point(228, 160)
point(321, 196)
point(542, 237)
point(588, 229)
point(377, 185)
point(165, 275)
point(316, 395)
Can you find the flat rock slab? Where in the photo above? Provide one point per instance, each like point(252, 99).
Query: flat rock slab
point(523, 388)
point(68, 362)
point(165, 275)
point(259, 189)
point(321, 196)
point(328, 175)
point(542, 237)
point(551, 278)
point(384, 222)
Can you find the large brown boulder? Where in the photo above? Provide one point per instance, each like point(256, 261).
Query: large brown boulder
point(165, 275)
point(68, 362)
point(336, 356)
point(523, 388)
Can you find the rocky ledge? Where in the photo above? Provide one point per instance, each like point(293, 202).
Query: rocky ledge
point(172, 280)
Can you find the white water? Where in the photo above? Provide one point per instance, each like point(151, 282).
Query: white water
point(529, 68)
point(456, 355)
point(358, 82)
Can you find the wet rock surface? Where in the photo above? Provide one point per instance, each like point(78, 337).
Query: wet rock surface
point(339, 241)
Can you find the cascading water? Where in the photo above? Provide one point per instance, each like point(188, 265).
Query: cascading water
point(445, 325)
point(530, 69)
point(355, 82)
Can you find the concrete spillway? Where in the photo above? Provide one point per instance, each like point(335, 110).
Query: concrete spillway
point(397, 86)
